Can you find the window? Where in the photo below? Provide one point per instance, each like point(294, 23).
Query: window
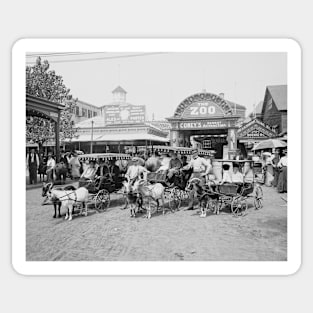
point(77, 111)
point(207, 144)
point(94, 113)
point(89, 113)
point(84, 112)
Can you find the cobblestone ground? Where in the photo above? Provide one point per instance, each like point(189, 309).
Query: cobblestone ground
point(261, 235)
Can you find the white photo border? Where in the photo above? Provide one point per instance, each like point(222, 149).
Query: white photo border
point(194, 268)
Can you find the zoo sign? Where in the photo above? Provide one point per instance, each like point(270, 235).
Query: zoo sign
point(206, 109)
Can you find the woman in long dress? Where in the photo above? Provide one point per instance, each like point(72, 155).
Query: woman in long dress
point(282, 179)
point(75, 167)
point(275, 160)
point(269, 177)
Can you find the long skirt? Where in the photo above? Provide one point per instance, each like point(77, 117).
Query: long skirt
point(282, 180)
point(276, 175)
point(75, 171)
point(269, 177)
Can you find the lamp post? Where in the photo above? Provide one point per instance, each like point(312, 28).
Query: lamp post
point(91, 143)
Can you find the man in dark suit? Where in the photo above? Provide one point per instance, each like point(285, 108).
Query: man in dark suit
point(32, 162)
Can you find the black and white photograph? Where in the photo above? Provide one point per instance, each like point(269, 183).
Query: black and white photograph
point(166, 156)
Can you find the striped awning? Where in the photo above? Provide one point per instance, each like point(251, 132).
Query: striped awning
point(104, 156)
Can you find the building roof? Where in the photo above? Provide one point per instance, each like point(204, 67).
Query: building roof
point(163, 125)
point(88, 104)
point(123, 137)
point(119, 103)
point(258, 108)
point(235, 106)
point(279, 95)
point(119, 89)
point(98, 121)
point(257, 111)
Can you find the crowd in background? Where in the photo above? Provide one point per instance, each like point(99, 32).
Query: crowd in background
point(274, 166)
point(46, 166)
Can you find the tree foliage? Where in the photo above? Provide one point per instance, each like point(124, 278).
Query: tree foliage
point(44, 83)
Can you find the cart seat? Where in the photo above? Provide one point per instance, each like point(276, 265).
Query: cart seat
point(228, 189)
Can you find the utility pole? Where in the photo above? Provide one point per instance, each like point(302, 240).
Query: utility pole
point(91, 143)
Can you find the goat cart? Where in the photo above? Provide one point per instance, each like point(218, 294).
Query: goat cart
point(111, 181)
point(172, 194)
point(175, 191)
point(218, 196)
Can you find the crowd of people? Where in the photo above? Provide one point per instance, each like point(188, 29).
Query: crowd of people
point(46, 166)
point(274, 167)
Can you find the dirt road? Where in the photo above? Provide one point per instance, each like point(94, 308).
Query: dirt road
point(261, 235)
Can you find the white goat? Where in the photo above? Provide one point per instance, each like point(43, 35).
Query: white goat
point(69, 198)
point(151, 192)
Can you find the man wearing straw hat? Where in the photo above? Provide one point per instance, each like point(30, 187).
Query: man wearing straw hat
point(135, 171)
point(200, 169)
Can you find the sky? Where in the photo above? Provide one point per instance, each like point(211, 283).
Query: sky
point(161, 81)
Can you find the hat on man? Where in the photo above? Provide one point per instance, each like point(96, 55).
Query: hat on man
point(235, 165)
point(267, 153)
point(226, 167)
point(135, 159)
point(194, 151)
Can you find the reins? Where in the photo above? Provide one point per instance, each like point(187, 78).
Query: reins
point(67, 195)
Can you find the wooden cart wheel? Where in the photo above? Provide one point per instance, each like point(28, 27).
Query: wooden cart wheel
point(244, 207)
point(102, 199)
point(235, 206)
point(239, 206)
point(174, 199)
point(258, 199)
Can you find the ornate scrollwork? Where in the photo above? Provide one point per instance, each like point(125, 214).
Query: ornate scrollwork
point(223, 104)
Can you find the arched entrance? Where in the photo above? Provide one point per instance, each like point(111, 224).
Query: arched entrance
point(207, 121)
point(47, 110)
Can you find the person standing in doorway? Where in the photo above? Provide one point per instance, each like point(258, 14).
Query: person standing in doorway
point(32, 162)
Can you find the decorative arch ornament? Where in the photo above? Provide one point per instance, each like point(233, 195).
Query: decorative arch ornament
point(203, 97)
point(256, 129)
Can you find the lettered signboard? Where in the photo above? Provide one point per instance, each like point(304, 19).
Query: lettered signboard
point(202, 110)
point(124, 114)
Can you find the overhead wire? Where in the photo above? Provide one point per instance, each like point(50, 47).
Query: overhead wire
point(57, 54)
point(103, 58)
